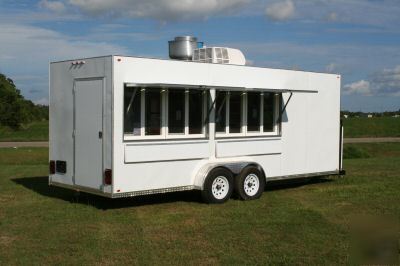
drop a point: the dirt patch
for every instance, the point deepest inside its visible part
(6, 241)
(7, 198)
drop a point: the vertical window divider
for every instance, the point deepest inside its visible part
(205, 112)
(244, 113)
(262, 112)
(186, 104)
(276, 112)
(165, 113)
(142, 112)
(163, 109)
(227, 110)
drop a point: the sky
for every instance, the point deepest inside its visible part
(359, 39)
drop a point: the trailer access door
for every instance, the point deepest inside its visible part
(88, 133)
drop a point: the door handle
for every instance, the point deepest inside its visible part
(100, 134)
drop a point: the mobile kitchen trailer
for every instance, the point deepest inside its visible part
(126, 126)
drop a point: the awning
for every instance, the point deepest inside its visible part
(197, 87)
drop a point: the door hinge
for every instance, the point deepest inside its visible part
(73, 133)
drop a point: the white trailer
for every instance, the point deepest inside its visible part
(126, 126)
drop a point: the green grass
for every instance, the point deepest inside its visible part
(304, 223)
(367, 150)
(36, 131)
(353, 128)
(360, 127)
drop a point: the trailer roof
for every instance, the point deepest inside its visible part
(167, 59)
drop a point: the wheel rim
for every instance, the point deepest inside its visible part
(220, 187)
(251, 184)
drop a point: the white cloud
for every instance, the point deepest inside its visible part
(378, 13)
(281, 10)
(163, 10)
(348, 59)
(361, 87)
(385, 82)
(32, 43)
(56, 6)
(331, 68)
(360, 12)
(27, 50)
(42, 101)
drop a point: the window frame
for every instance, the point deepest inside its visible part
(186, 134)
(164, 134)
(227, 114)
(245, 132)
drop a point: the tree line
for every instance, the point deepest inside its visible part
(374, 114)
(15, 110)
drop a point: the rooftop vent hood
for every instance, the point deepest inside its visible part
(182, 47)
(189, 49)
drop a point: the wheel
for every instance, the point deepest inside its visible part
(250, 183)
(218, 186)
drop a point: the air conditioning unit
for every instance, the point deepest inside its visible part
(219, 55)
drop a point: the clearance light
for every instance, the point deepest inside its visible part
(108, 177)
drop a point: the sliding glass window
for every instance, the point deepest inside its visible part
(235, 112)
(253, 111)
(132, 111)
(220, 111)
(176, 111)
(269, 100)
(245, 113)
(153, 111)
(196, 111)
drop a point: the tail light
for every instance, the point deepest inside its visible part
(52, 167)
(108, 177)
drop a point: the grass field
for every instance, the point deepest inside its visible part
(354, 128)
(36, 131)
(359, 127)
(303, 223)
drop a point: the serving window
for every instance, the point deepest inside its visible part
(246, 113)
(158, 113)
(171, 113)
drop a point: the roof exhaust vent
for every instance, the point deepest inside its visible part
(219, 55)
(181, 48)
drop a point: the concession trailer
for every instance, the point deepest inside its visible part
(124, 126)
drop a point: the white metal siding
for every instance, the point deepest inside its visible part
(166, 151)
(297, 151)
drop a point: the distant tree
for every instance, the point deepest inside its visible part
(14, 109)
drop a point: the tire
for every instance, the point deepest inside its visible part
(218, 186)
(250, 184)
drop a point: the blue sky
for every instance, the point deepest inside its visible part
(359, 39)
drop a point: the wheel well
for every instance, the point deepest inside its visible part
(258, 167)
(234, 167)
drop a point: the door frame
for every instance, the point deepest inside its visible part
(103, 95)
